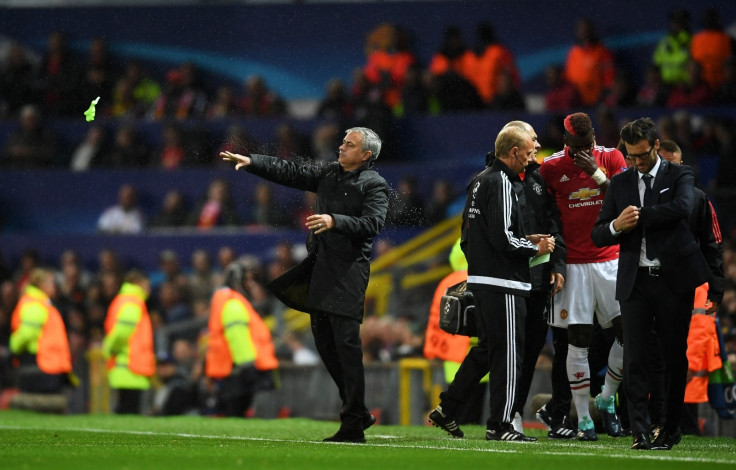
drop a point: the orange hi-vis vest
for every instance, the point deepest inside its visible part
(439, 344)
(703, 350)
(141, 360)
(219, 361)
(52, 355)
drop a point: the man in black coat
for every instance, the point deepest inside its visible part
(330, 284)
(498, 251)
(646, 210)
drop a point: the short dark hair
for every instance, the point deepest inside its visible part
(670, 146)
(638, 130)
(578, 124)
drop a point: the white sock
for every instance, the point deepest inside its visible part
(615, 372)
(578, 374)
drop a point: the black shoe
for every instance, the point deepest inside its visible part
(368, 421)
(438, 418)
(641, 441)
(562, 430)
(665, 440)
(607, 410)
(343, 435)
(506, 432)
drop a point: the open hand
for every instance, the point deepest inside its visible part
(239, 160)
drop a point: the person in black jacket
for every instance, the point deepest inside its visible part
(703, 223)
(498, 250)
(330, 284)
(645, 211)
(547, 279)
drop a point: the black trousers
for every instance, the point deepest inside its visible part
(535, 334)
(337, 339)
(500, 319)
(655, 309)
(559, 406)
(129, 401)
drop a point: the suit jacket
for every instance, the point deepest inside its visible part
(683, 265)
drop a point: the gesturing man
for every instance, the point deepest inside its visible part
(352, 200)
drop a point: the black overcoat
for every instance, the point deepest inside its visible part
(334, 276)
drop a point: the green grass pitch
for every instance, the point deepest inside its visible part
(100, 442)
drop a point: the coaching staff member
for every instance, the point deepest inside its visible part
(498, 253)
(646, 211)
(352, 200)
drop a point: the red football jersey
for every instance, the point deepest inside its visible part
(579, 199)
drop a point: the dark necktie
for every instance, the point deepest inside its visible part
(648, 201)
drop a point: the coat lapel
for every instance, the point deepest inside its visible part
(660, 182)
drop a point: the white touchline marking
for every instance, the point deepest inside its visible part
(629, 454)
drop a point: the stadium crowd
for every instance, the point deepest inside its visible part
(393, 84)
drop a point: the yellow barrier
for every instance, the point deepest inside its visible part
(99, 387)
(405, 367)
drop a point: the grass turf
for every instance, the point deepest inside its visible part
(34, 441)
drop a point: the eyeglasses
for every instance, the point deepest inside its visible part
(634, 156)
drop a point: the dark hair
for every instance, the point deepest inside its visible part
(670, 146)
(578, 124)
(641, 129)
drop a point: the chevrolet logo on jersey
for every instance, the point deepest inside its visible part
(585, 193)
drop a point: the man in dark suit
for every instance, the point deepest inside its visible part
(645, 210)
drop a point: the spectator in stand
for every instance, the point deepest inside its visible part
(695, 92)
(654, 92)
(176, 394)
(265, 210)
(32, 145)
(29, 260)
(290, 144)
(507, 96)
(128, 150)
(454, 56)
(237, 139)
(622, 93)
(283, 259)
(225, 256)
(123, 103)
(369, 108)
(172, 305)
(673, 50)
(336, 105)
(90, 152)
(125, 216)
(386, 67)
(305, 209)
(99, 74)
(145, 90)
(726, 93)
(16, 82)
(589, 64)
(561, 94)
(453, 69)
(59, 79)
(415, 94)
(493, 61)
(711, 47)
(224, 105)
(173, 211)
(216, 208)
(201, 280)
(173, 154)
(405, 207)
(259, 100)
(442, 196)
(324, 141)
(184, 98)
(724, 186)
